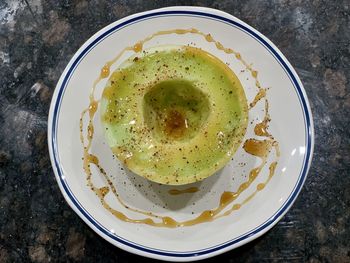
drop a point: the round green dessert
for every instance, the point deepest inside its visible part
(174, 115)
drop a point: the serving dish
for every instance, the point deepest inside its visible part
(291, 127)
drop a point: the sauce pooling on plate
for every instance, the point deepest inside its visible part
(261, 148)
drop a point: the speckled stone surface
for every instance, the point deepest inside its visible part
(38, 38)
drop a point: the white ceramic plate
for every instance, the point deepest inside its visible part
(291, 125)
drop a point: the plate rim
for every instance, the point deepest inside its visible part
(201, 253)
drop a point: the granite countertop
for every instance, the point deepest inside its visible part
(39, 37)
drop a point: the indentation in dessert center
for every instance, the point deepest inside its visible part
(175, 110)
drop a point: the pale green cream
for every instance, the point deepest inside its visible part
(174, 115)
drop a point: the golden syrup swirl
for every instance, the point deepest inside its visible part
(190, 190)
(258, 148)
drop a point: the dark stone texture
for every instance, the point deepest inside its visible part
(38, 38)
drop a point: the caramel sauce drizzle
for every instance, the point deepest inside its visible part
(175, 124)
(259, 148)
(260, 95)
(184, 191)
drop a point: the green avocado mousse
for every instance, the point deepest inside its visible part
(174, 114)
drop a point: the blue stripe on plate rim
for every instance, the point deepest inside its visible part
(255, 232)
